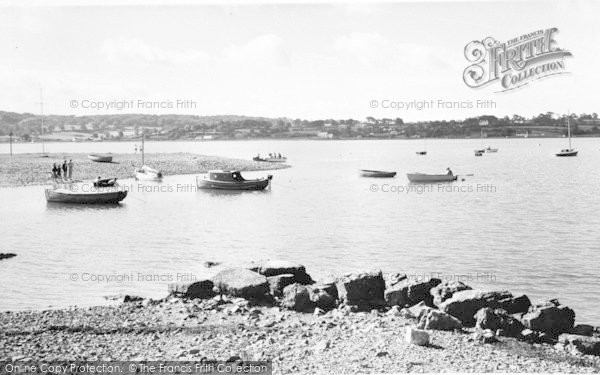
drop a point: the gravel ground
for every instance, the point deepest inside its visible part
(32, 169)
(339, 342)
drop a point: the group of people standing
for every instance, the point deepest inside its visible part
(64, 171)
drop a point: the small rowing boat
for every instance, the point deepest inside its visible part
(79, 196)
(100, 158)
(231, 180)
(421, 152)
(489, 149)
(422, 177)
(372, 173)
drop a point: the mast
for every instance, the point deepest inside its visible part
(143, 147)
(569, 129)
(42, 115)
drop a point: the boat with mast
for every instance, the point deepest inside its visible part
(568, 151)
(147, 173)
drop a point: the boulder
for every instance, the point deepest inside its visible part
(322, 298)
(197, 289)
(407, 293)
(297, 297)
(281, 267)
(365, 290)
(419, 310)
(241, 282)
(277, 283)
(397, 295)
(464, 304)
(583, 330)
(445, 290)
(416, 336)
(420, 291)
(498, 320)
(550, 317)
(581, 344)
(439, 320)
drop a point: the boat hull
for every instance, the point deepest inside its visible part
(378, 174)
(270, 160)
(148, 174)
(421, 152)
(567, 153)
(420, 177)
(109, 197)
(100, 158)
(260, 184)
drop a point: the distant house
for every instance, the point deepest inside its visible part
(324, 135)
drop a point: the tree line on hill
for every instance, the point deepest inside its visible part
(27, 126)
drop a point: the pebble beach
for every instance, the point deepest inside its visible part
(33, 169)
(245, 315)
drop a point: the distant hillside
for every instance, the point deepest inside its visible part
(27, 126)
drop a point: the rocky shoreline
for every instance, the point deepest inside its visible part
(355, 323)
(32, 169)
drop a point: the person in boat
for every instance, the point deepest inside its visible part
(70, 166)
(64, 169)
(449, 172)
(279, 156)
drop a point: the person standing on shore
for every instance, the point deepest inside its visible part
(64, 168)
(136, 149)
(70, 166)
(58, 172)
(54, 171)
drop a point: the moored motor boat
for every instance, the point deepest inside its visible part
(489, 149)
(145, 173)
(372, 173)
(230, 180)
(79, 196)
(479, 152)
(422, 177)
(282, 159)
(100, 158)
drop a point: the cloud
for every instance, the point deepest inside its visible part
(135, 50)
(265, 49)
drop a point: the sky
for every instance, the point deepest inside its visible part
(311, 61)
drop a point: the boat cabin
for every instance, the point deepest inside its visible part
(225, 176)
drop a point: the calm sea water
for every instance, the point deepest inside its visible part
(526, 221)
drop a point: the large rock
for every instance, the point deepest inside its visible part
(498, 319)
(416, 336)
(420, 291)
(407, 293)
(581, 344)
(464, 304)
(196, 289)
(549, 317)
(419, 310)
(439, 320)
(445, 290)
(583, 330)
(241, 282)
(363, 290)
(321, 296)
(277, 283)
(297, 297)
(281, 267)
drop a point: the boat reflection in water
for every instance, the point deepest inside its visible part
(231, 180)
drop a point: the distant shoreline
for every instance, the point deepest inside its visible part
(33, 169)
(132, 140)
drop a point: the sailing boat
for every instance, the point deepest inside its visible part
(568, 151)
(145, 172)
(424, 152)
